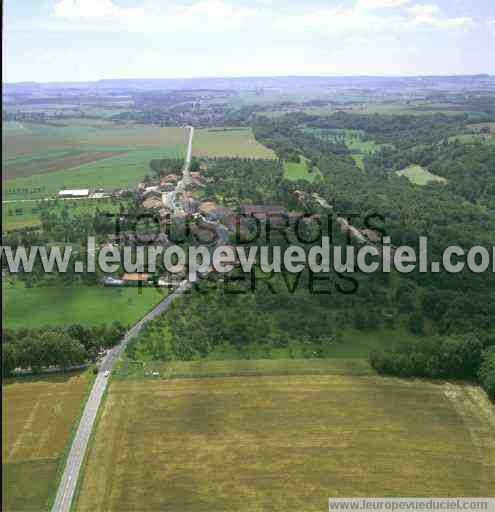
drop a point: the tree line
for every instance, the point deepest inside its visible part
(466, 356)
(35, 349)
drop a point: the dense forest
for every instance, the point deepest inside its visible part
(448, 317)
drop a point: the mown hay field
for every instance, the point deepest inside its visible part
(229, 142)
(285, 443)
(39, 416)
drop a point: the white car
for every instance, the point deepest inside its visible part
(107, 373)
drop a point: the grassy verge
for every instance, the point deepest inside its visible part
(128, 369)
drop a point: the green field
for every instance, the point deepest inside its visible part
(229, 142)
(63, 305)
(474, 138)
(353, 139)
(294, 171)
(285, 443)
(39, 160)
(420, 176)
(20, 214)
(39, 417)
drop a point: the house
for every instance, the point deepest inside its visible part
(152, 202)
(170, 178)
(84, 192)
(112, 281)
(167, 187)
(151, 191)
(135, 279)
(168, 199)
(99, 195)
(197, 183)
(371, 235)
(277, 214)
(262, 210)
(152, 239)
(212, 210)
(151, 188)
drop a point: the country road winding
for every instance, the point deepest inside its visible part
(70, 476)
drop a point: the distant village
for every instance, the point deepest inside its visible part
(174, 198)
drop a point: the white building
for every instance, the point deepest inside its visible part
(83, 192)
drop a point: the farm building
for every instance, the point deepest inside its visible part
(213, 211)
(371, 235)
(112, 281)
(83, 192)
(152, 202)
(170, 178)
(135, 278)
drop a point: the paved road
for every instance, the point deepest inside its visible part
(75, 459)
(67, 486)
(189, 149)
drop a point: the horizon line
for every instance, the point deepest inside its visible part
(248, 77)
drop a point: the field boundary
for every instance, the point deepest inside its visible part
(356, 367)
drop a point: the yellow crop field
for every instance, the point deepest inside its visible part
(38, 418)
(285, 443)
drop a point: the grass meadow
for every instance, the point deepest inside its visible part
(64, 305)
(285, 443)
(20, 214)
(294, 171)
(229, 142)
(353, 139)
(474, 138)
(39, 417)
(420, 176)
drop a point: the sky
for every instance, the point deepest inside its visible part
(86, 40)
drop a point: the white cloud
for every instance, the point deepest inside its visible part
(203, 15)
(362, 20)
(491, 26)
(370, 5)
(424, 9)
(90, 9)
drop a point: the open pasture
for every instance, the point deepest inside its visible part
(294, 171)
(39, 415)
(420, 176)
(285, 443)
(229, 142)
(64, 305)
(124, 170)
(20, 214)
